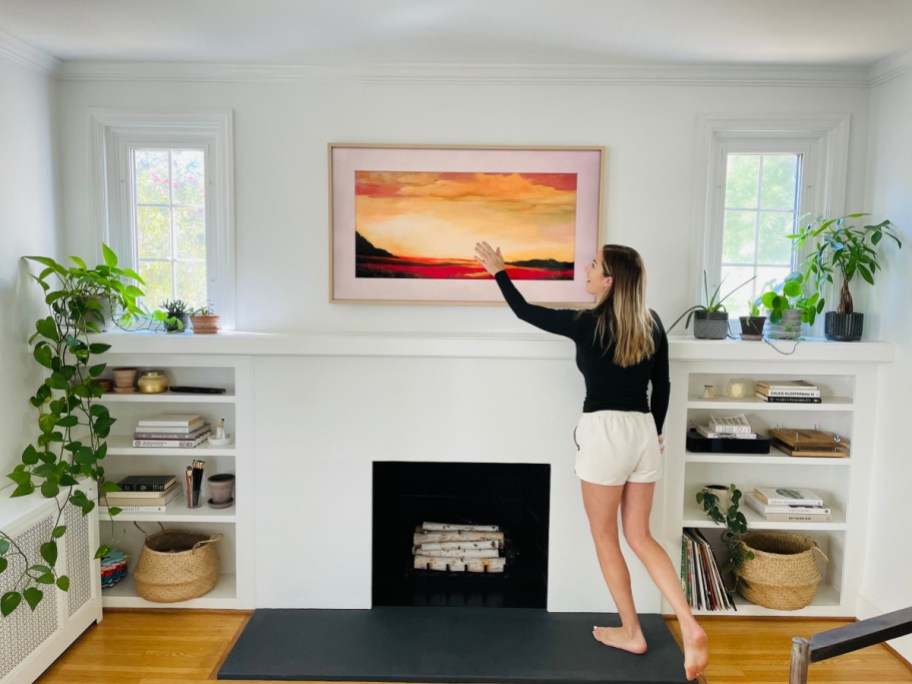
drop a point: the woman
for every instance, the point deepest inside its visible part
(620, 348)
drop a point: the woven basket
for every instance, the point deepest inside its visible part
(176, 565)
(783, 573)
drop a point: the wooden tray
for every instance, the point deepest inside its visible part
(802, 442)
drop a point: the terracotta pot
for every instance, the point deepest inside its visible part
(204, 325)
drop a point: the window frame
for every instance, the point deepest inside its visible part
(823, 142)
(115, 134)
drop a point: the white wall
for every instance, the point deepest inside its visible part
(281, 134)
(887, 584)
(330, 412)
(27, 226)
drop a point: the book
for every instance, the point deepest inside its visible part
(787, 496)
(787, 385)
(737, 423)
(140, 496)
(146, 483)
(183, 434)
(789, 399)
(172, 443)
(129, 506)
(798, 517)
(706, 432)
(767, 392)
(752, 500)
(184, 420)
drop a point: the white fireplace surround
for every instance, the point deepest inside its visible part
(326, 406)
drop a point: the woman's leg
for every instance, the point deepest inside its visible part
(601, 503)
(636, 505)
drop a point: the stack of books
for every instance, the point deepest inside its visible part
(700, 576)
(788, 504)
(142, 494)
(727, 427)
(171, 430)
(787, 391)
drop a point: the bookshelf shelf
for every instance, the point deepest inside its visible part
(123, 595)
(235, 588)
(168, 398)
(755, 404)
(849, 390)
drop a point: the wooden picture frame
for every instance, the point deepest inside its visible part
(404, 220)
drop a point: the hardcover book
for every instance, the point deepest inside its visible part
(146, 483)
(157, 433)
(787, 385)
(789, 399)
(172, 443)
(184, 420)
(752, 500)
(787, 496)
(157, 505)
(735, 423)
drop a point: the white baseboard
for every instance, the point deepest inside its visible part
(870, 605)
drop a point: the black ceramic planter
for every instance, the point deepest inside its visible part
(711, 325)
(843, 327)
(752, 327)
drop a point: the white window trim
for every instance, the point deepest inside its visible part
(114, 132)
(823, 139)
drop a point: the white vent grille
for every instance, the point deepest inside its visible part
(79, 558)
(24, 631)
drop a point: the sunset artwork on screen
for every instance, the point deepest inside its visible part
(416, 224)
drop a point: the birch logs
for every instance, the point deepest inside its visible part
(458, 548)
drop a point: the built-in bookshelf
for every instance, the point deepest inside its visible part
(126, 531)
(848, 391)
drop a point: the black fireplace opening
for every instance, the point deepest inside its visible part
(513, 498)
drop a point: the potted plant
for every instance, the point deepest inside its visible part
(710, 319)
(844, 249)
(789, 307)
(72, 427)
(204, 320)
(728, 515)
(177, 315)
(752, 324)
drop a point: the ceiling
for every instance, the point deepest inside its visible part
(352, 32)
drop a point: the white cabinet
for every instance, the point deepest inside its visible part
(848, 387)
(235, 586)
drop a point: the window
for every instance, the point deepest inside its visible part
(168, 211)
(761, 209)
(164, 202)
(762, 175)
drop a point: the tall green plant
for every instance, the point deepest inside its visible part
(845, 250)
(713, 301)
(72, 427)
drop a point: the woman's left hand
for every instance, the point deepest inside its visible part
(487, 256)
(662, 444)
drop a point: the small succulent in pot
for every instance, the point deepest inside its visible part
(177, 311)
(205, 321)
(752, 324)
(710, 318)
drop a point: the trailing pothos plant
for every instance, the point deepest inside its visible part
(72, 426)
(735, 526)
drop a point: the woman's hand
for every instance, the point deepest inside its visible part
(662, 444)
(487, 256)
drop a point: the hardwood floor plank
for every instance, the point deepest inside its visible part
(166, 647)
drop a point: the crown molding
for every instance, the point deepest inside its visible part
(890, 68)
(445, 74)
(22, 53)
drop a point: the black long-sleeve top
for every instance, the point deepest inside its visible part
(608, 386)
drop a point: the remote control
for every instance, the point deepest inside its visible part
(198, 390)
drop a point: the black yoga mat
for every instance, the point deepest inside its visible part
(497, 645)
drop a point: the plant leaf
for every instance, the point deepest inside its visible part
(10, 602)
(49, 552)
(63, 583)
(33, 597)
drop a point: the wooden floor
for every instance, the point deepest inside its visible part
(156, 647)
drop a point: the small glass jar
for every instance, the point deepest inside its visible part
(152, 382)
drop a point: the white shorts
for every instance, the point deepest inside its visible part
(615, 447)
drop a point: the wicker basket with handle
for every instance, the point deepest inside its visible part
(176, 565)
(783, 573)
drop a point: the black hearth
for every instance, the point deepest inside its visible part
(514, 497)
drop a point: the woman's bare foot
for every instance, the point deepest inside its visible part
(696, 650)
(618, 637)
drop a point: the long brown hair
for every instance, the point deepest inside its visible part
(622, 317)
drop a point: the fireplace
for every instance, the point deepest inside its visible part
(512, 498)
